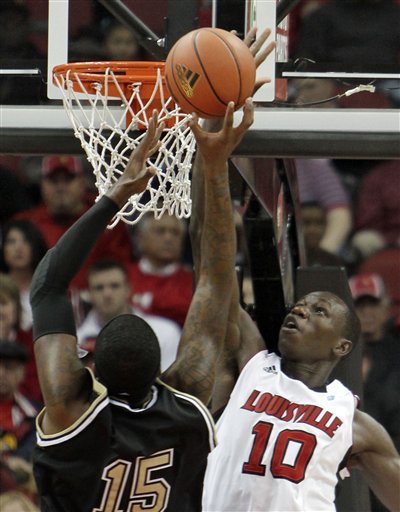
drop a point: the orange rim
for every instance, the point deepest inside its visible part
(125, 70)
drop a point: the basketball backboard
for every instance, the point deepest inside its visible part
(61, 26)
(242, 16)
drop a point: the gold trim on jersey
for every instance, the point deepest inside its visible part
(201, 407)
(80, 424)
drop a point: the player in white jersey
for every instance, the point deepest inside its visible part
(286, 430)
(277, 429)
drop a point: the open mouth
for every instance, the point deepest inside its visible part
(290, 323)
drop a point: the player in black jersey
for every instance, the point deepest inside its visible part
(124, 440)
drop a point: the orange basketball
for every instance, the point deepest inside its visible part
(206, 69)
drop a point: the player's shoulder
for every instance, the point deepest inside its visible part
(95, 414)
(180, 397)
(339, 389)
(189, 410)
(184, 401)
(368, 434)
(261, 357)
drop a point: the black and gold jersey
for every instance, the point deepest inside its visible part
(117, 458)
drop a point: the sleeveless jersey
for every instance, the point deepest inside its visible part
(280, 444)
(116, 458)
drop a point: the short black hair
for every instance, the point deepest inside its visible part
(352, 327)
(127, 357)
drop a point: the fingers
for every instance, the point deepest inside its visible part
(141, 182)
(250, 37)
(248, 116)
(153, 132)
(228, 119)
(258, 43)
(255, 44)
(260, 82)
(260, 57)
(195, 126)
(154, 149)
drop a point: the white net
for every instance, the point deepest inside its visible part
(108, 131)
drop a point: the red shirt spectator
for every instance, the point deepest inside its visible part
(378, 205)
(161, 284)
(17, 413)
(167, 293)
(65, 198)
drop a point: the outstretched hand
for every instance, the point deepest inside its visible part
(137, 174)
(259, 53)
(216, 147)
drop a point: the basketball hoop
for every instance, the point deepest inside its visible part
(109, 105)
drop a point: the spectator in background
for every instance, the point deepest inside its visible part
(377, 213)
(110, 40)
(64, 198)
(381, 357)
(10, 329)
(22, 248)
(110, 293)
(319, 182)
(17, 419)
(313, 223)
(10, 308)
(314, 90)
(162, 285)
(121, 43)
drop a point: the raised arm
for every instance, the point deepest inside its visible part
(226, 370)
(242, 338)
(376, 456)
(64, 382)
(206, 321)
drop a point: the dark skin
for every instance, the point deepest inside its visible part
(311, 342)
(234, 353)
(64, 381)
(202, 339)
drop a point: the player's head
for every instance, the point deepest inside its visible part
(319, 327)
(127, 357)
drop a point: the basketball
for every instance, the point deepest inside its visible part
(206, 69)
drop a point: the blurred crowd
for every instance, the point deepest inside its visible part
(350, 216)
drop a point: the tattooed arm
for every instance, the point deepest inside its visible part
(64, 382)
(205, 326)
(242, 338)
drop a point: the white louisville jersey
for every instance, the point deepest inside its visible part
(280, 444)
